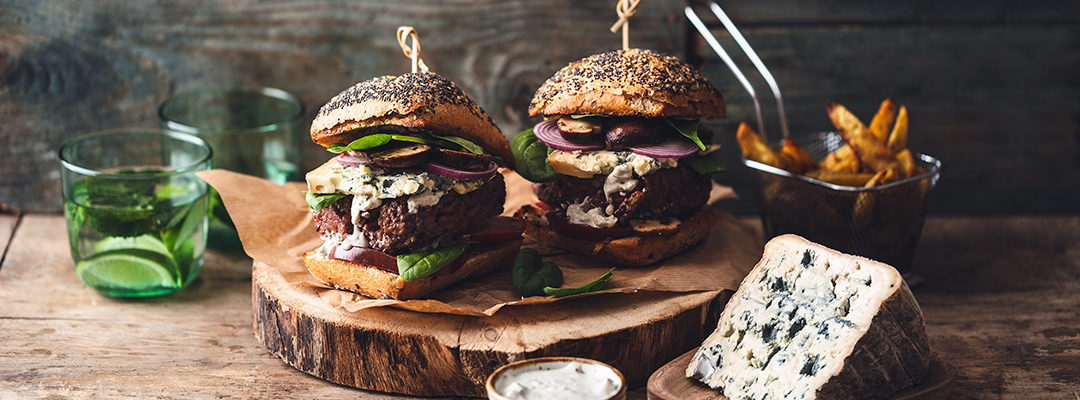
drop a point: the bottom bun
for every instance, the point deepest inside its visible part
(380, 284)
(632, 251)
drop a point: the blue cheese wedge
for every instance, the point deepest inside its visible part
(809, 322)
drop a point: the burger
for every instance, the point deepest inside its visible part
(620, 162)
(410, 203)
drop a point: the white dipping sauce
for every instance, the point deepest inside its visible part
(558, 380)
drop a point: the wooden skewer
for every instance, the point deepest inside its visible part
(412, 51)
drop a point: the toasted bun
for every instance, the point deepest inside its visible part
(631, 251)
(379, 284)
(631, 82)
(419, 100)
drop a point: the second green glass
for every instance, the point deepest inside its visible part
(254, 131)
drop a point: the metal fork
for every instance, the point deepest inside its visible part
(750, 53)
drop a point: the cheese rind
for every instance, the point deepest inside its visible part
(809, 322)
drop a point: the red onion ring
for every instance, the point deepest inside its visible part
(548, 134)
(352, 160)
(460, 173)
(667, 149)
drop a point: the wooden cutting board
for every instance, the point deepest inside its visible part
(398, 351)
(670, 382)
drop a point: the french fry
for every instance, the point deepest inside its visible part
(842, 118)
(754, 148)
(898, 137)
(876, 180)
(795, 159)
(841, 178)
(884, 118)
(841, 160)
(907, 162)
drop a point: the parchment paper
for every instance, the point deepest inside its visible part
(276, 228)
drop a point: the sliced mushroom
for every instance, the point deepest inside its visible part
(579, 129)
(657, 227)
(632, 132)
(462, 160)
(401, 157)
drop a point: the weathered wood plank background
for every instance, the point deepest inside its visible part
(992, 86)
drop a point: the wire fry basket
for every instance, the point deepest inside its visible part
(881, 223)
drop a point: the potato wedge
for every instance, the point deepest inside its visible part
(795, 159)
(884, 119)
(754, 148)
(841, 160)
(842, 118)
(907, 163)
(898, 138)
(841, 178)
(872, 152)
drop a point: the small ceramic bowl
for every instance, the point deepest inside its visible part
(556, 378)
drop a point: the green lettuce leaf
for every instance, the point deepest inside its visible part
(419, 265)
(531, 158)
(586, 288)
(319, 201)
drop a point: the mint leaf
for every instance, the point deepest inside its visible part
(688, 128)
(419, 265)
(707, 163)
(530, 275)
(531, 158)
(586, 288)
(319, 201)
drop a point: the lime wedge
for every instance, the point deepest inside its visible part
(130, 269)
(144, 242)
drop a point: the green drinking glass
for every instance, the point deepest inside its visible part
(136, 213)
(254, 131)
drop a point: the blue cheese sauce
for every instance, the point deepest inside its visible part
(558, 381)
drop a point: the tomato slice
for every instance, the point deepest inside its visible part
(496, 230)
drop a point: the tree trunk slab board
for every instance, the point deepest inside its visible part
(670, 382)
(404, 352)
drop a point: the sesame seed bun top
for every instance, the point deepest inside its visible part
(631, 82)
(422, 101)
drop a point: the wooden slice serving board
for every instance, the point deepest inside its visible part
(398, 351)
(670, 382)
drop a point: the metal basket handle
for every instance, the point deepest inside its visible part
(750, 53)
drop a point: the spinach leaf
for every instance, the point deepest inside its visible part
(531, 158)
(688, 128)
(580, 116)
(375, 140)
(586, 288)
(530, 276)
(419, 265)
(460, 142)
(319, 201)
(707, 163)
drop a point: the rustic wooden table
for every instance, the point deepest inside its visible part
(1001, 297)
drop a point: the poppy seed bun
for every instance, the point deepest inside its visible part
(631, 82)
(419, 100)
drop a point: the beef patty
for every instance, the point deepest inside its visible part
(669, 192)
(392, 229)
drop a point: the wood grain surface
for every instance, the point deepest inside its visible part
(991, 85)
(1001, 298)
(399, 351)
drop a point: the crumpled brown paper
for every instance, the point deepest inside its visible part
(276, 228)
